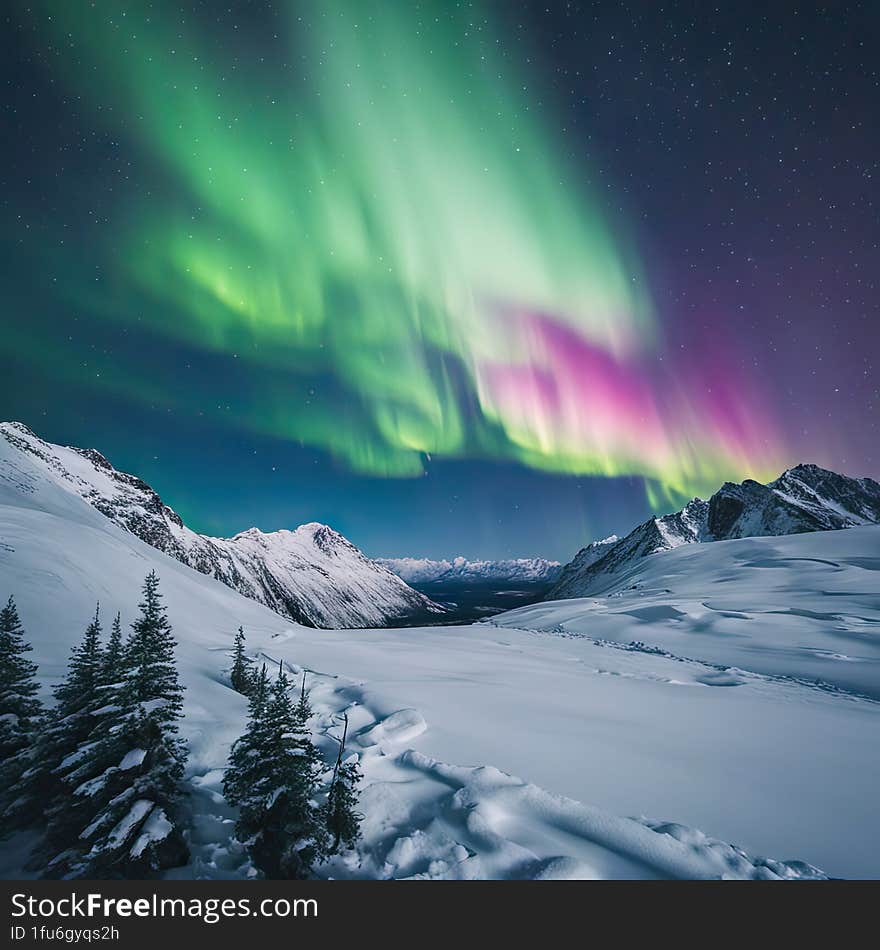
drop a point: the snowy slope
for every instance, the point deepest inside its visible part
(312, 575)
(805, 606)
(445, 717)
(510, 571)
(805, 498)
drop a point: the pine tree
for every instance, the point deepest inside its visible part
(258, 693)
(20, 717)
(151, 674)
(303, 710)
(246, 762)
(240, 674)
(122, 785)
(19, 707)
(61, 732)
(78, 691)
(272, 777)
(340, 811)
(111, 669)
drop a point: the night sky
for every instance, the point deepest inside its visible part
(491, 279)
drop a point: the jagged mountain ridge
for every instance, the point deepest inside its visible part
(511, 570)
(804, 498)
(313, 575)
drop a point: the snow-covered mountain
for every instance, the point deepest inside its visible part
(586, 557)
(312, 575)
(514, 570)
(804, 498)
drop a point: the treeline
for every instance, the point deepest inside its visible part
(100, 774)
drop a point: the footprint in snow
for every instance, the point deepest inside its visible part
(401, 726)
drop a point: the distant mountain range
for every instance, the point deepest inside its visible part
(524, 570)
(315, 576)
(312, 575)
(804, 498)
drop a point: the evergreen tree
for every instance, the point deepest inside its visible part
(78, 691)
(258, 693)
(19, 707)
(116, 817)
(303, 710)
(61, 732)
(241, 674)
(150, 673)
(20, 717)
(340, 811)
(246, 758)
(272, 777)
(111, 669)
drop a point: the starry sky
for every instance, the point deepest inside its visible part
(489, 278)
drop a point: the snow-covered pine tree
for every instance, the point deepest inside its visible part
(20, 710)
(123, 783)
(340, 812)
(241, 673)
(151, 673)
(77, 692)
(61, 732)
(247, 764)
(272, 777)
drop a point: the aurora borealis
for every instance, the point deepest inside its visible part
(363, 230)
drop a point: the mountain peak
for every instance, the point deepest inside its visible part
(809, 468)
(316, 529)
(19, 427)
(804, 498)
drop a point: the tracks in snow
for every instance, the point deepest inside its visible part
(428, 819)
(717, 674)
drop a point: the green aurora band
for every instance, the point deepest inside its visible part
(387, 234)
